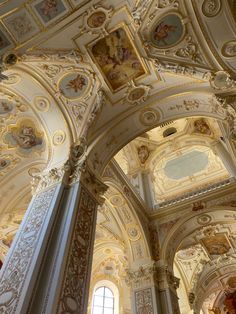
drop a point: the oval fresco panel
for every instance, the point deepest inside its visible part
(167, 31)
(73, 85)
(96, 19)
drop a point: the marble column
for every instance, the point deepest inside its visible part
(144, 290)
(167, 285)
(48, 267)
(225, 157)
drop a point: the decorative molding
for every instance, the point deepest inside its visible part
(76, 276)
(189, 51)
(15, 271)
(143, 301)
(229, 49)
(210, 8)
(48, 178)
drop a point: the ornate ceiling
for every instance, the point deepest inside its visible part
(113, 71)
(178, 156)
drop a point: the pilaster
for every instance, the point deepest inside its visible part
(48, 266)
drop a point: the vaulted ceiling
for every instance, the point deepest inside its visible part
(158, 63)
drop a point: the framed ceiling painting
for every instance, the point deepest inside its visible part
(117, 59)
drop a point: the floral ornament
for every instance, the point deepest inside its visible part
(73, 85)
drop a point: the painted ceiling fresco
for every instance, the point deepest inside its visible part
(117, 59)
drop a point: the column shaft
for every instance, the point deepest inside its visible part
(48, 267)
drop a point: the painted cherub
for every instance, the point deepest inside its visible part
(77, 83)
(162, 31)
(49, 7)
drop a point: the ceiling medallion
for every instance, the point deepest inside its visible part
(133, 232)
(42, 103)
(204, 219)
(116, 200)
(167, 31)
(149, 117)
(229, 49)
(231, 282)
(188, 253)
(211, 8)
(73, 85)
(136, 94)
(59, 137)
(96, 19)
(221, 80)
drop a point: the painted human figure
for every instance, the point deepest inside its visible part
(49, 7)
(26, 137)
(162, 31)
(77, 83)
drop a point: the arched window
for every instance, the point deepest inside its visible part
(103, 301)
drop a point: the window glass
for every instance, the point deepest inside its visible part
(103, 301)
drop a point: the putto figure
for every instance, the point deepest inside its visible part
(162, 31)
(77, 84)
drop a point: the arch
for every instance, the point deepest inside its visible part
(129, 219)
(119, 132)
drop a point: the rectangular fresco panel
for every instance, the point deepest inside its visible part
(5, 43)
(217, 244)
(22, 25)
(117, 59)
(49, 10)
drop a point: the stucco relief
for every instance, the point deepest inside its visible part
(77, 268)
(143, 301)
(210, 8)
(15, 272)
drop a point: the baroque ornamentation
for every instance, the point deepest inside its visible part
(73, 85)
(48, 178)
(211, 8)
(140, 10)
(77, 266)
(133, 232)
(221, 80)
(136, 94)
(189, 51)
(201, 126)
(15, 272)
(149, 117)
(167, 31)
(141, 277)
(143, 153)
(96, 108)
(229, 49)
(117, 59)
(58, 137)
(96, 20)
(25, 138)
(143, 301)
(42, 103)
(10, 107)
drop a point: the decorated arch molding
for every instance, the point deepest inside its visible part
(118, 132)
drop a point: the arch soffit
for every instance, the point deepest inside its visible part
(47, 109)
(187, 226)
(129, 221)
(140, 120)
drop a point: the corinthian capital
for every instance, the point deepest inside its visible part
(141, 277)
(48, 178)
